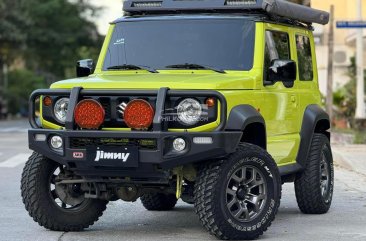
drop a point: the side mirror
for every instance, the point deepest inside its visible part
(84, 67)
(284, 71)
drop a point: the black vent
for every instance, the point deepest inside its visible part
(81, 143)
(106, 103)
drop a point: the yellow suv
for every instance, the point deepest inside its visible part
(214, 102)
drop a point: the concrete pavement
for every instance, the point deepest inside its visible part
(130, 221)
(14, 126)
(351, 157)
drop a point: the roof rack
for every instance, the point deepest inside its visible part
(274, 8)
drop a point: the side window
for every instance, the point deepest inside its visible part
(304, 57)
(277, 47)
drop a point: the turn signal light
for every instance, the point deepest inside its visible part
(210, 102)
(89, 114)
(47, 101)
(138, 114)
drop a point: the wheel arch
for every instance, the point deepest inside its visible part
(248, 120)
(315, 120)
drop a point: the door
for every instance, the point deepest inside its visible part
(280, 110)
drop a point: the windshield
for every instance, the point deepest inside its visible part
(222, 43)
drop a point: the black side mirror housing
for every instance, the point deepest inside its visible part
(284, 71)
(84, 67)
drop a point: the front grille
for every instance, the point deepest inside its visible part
(80, 143)
(106, 103)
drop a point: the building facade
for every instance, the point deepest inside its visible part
(344, 41)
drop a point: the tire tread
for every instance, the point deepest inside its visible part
(307, 192)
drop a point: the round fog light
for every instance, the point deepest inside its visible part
(56, 142)
(179, 144)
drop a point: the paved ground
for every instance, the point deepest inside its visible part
(124, 221)
(15, 126)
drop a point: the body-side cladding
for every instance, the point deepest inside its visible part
(248, 120)
(315, 120)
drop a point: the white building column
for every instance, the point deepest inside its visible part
(360, 108)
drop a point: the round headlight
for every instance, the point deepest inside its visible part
(60, 109)
(189, 111)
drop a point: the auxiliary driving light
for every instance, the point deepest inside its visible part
(89, 114)
(202, 140)
(40, 137)
(179, 144)
(138, 114)
(56, 142)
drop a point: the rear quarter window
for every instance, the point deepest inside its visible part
(304, 57)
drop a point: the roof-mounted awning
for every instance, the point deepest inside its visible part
(278, 8)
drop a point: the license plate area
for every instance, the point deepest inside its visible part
(116, 156)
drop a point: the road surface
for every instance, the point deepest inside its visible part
(129, 221)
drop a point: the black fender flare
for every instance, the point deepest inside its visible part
(241, 116)
(315, 120)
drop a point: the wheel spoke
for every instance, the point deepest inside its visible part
(324, 177)
(252, 176)
(242, 210)
(231, 203)
(255, 183)
(326, 185)
(236, 178)
(230, 192)
(63, 205)
(244, 173)
(324, 172)
(256, 201)
(239, 213)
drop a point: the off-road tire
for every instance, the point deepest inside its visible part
(41, 207)
(307, 183)
(158, 201)
(210, 197)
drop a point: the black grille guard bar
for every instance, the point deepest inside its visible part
(76, 92)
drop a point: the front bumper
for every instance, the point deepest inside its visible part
(161, 157)
(151, 163)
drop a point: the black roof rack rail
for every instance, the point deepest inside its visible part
(273, 8)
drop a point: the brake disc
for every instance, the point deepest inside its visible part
(70, 194)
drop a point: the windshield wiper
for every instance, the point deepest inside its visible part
(195, 66)
(132, 67)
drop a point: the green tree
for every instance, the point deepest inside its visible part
(21, 85)
(49, 36)
(345, 97)
(12, 35)
(59, 32)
